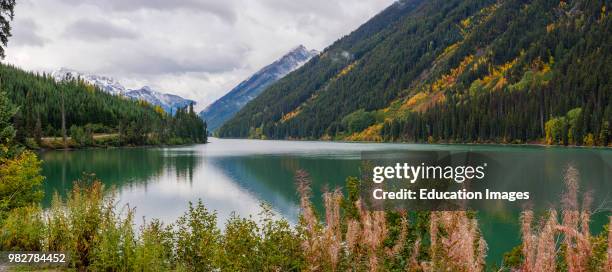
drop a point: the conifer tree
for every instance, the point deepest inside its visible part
(6, 15)
(38, 131)
(7, 110)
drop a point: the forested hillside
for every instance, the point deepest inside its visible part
(452, 71)
(89, 111)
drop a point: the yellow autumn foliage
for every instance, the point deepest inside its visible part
(20, 181)
(346, 70)
(159, 110)
(291, 115)
(448, 80)
(496, 79)
(288, 116)
(414, 100)
(370, 134)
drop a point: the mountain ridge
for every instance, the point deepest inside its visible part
(452, 72)
(168, 102)
(225, 107)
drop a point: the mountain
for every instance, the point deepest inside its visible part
(224, 108)
(169, 102)
(451, 71)
(107, 84)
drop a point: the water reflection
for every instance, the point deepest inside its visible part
(237, 175)
(115, 167)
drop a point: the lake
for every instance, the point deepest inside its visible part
(233, 175)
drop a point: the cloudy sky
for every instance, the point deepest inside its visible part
(198, 49)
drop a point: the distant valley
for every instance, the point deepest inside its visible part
(227, 106)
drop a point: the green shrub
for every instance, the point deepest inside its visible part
(358, 121)
(57, 235)
(197, 239)
(83, 137)
(556, 131)
(514, 258)
(240, 246)
(22, 230)
(575, 126)
(154, 251)
(21, 182)
(31, 143)
(280, 246)
(115, 243)
(84, 217)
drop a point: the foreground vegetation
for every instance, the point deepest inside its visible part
(100, 236)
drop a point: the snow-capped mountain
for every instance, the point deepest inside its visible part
(227, 106)
(169, 102)
(107, 84)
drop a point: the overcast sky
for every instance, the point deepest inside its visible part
(198, 49)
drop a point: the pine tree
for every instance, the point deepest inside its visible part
(604, 133)
(6, 15)
(63, 112)
(7, 111)
(38, 131)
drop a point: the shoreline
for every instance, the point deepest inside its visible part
(529, 145)
(538, 145)
(109, 147)
(99, 141)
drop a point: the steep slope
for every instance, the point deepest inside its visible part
(169, 102)
(451, 71)
(227, 106)
(403, 32)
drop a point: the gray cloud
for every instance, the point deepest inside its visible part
(223, 9)
(198, 49)
(97, 30)
(193, 60)
(319, 7)
(25, 33)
